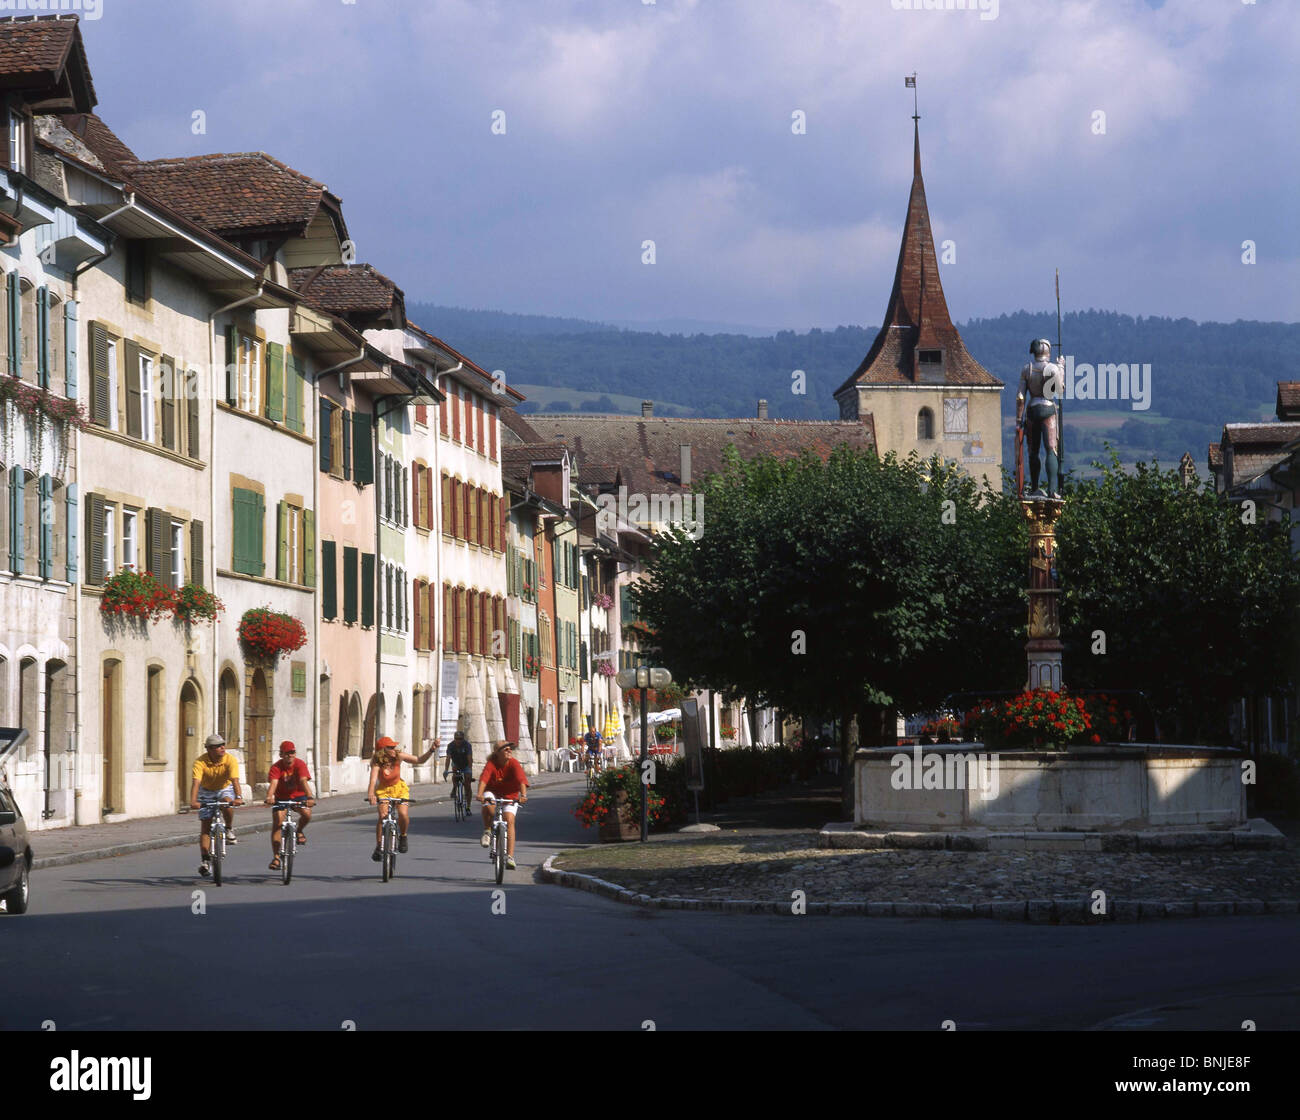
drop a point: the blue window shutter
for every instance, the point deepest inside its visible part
(15, 322)
(70, 348)
(43, 337)
(73, 523)
(45, 546)
(17, 484)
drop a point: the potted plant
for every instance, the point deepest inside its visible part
(728, 733)
(131, 594)
(267, 633)
(1041, 719)
(613, 804)
(665, 732)
(603, 601)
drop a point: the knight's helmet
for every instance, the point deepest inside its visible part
(1040, 349)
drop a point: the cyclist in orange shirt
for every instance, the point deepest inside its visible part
(502, 776)
(386, 781)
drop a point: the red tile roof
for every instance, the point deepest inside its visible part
(241, 194)
(646, 451)
(1272, 434)
(36, 53)
(1216, 457)
(100, 139)
(917, 316)
(345, 289)
(1288, 400)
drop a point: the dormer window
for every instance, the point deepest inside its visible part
(19, 139)
(931, 357)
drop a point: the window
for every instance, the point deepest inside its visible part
(329, 580)
(108, 540)
(110, 355)
(137, 272)
(29, 341)
(154, 714)
(250, 374)
(19, 131)
(248, 543)
(930, 357)
(130, 538)
(145, 376)
(925, 424)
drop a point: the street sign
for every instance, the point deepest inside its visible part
(695, 732)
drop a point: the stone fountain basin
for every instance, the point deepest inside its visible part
(1088, 789)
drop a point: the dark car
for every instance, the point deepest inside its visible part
(15, 855)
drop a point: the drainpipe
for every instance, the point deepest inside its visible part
(214, 687)
(437, 617)
(315, 622)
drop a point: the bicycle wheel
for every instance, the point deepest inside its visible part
(458, 800)
(386, 854)
(218, 847)
(288, 843)
(500, 852)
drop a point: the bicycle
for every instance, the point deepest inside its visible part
(288, 837)
(595, 764)
(460, 797)
(388, 848)
(217, 837)
(500, 834)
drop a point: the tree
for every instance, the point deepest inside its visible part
(852, 586)
(1195, 605)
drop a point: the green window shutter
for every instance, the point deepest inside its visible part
(15, 323)
(362, 448)
(293, 392)
(309, 547)
(43, 337)
(192, 418)
(72, 521)
(16, 505)
(158, 526)
(168, 390)
(248, 532)
(274, 381)
(347, 444)
(196, 552)
(349, 584)
(367, 589)
(99, 375)
(323, 435)
(94, 539)
(232, 364)
(133, 398)
(70, 348)
(259, 538)
(329, 581)
(45, 546)
(282, 541)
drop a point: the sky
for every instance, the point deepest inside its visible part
(518, 154)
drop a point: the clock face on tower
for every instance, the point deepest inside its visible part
(954, 415)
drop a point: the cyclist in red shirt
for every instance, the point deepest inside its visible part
(502, 776)
(290, 781)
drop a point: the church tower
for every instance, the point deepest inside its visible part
(919, 382)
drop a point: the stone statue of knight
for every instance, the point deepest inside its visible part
(1036, 410)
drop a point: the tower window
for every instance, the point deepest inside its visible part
(931, 357)
(925, 424)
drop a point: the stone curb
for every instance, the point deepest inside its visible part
(1256, 835)
(191, 837)
(1044, 911)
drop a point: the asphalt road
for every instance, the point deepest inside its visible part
(118, 945)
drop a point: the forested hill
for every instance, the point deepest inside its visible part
(1202, 374)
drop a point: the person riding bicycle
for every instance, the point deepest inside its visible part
(386, 781)
(216, 783)
(502, 776)
(595, 749)
(460, 757)
(290, 781)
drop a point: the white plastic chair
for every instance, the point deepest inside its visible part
(567, 756)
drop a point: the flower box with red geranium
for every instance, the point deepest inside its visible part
(1040, 719)
(195, 603)
(603, 601)
(131, 594)
(267, 633)
(728, 733)
(614, 804)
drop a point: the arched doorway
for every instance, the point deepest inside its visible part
(399, 726)
(345, 731)
(354, 726)
(112, 798)
(188, 738)
(56, 726)
(228, 709)
(258, 752)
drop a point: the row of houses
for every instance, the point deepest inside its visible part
(206, 400)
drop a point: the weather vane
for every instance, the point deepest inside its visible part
(909, 82)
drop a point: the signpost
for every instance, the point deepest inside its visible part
(693, 735)
(449, 701)
(644, 678)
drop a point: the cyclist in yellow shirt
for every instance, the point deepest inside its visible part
(386, 781)
(216, 784)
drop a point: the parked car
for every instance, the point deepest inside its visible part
(15, 855)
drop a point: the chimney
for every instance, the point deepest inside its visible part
(762, 409)
(647, 408)
(684, 472)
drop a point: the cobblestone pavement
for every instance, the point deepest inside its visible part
(768, 865)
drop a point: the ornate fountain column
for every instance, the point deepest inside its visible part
(1043, 650)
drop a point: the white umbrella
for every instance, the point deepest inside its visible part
(653, 719)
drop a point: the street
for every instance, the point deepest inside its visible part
(117, 944)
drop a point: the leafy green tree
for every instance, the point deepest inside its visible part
(1195, 605)
(852, 586)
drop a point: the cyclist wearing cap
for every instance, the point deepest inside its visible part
(290, 781)
(460, 756)
(216, 783)
(502, 776)
(595, 748)
(386, 781)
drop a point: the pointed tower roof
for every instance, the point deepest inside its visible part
(917, 323)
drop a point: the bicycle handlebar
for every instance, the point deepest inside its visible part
(299, 805)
